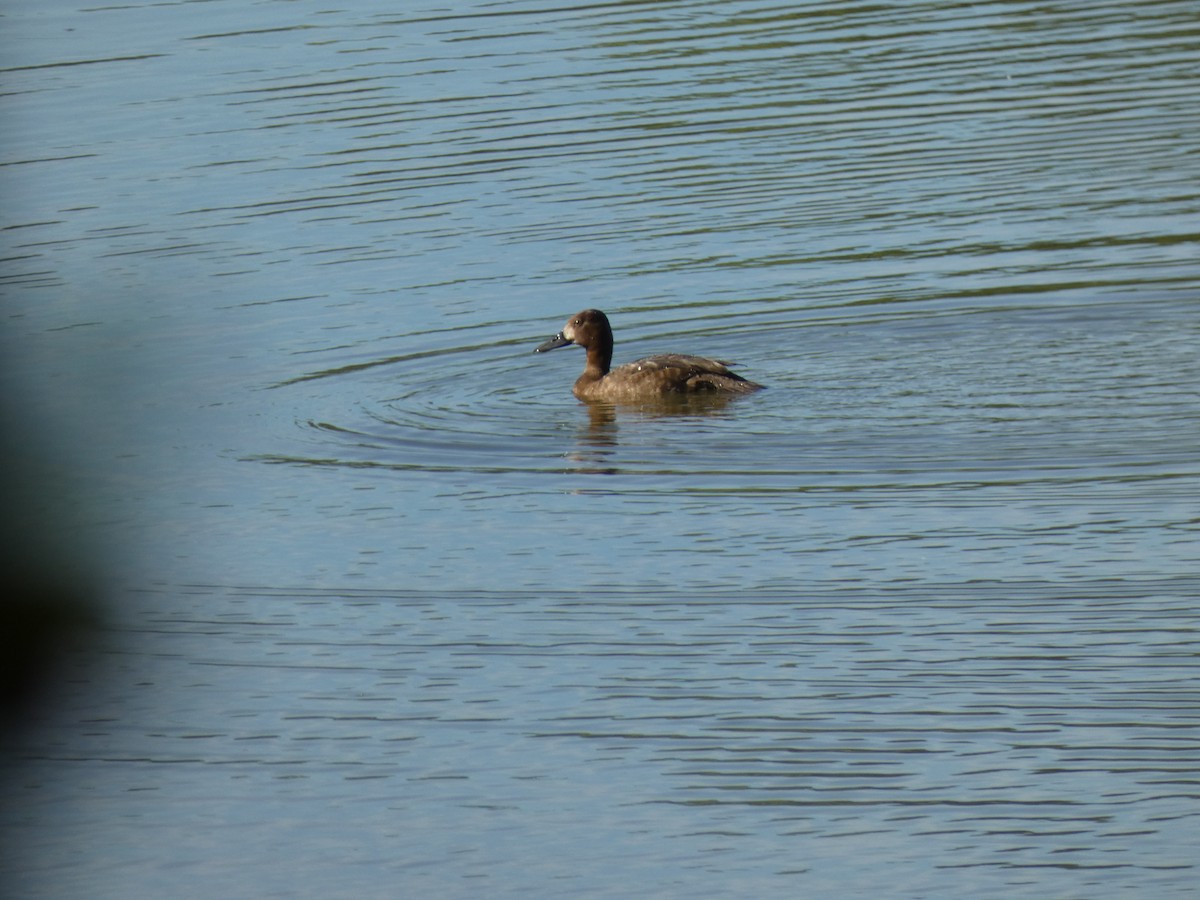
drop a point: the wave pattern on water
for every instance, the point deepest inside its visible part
(1035, 731)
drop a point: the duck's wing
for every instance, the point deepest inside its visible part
(682, 362)
(680, 372)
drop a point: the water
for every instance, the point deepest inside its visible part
(390, 612)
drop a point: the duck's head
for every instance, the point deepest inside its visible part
(585, 328)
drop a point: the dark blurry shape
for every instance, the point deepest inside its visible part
(49, 607)
(40, 622)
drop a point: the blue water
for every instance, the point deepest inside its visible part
(388, 612)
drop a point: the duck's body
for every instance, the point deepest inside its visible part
(646, 379)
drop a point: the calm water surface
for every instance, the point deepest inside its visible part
(391, 614)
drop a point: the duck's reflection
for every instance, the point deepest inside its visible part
(598, 435)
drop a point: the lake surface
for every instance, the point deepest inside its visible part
(389, 613)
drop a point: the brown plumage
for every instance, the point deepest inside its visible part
(646, 379)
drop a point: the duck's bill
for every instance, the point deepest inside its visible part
(554, 343)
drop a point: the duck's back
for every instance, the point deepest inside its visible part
(667, 373)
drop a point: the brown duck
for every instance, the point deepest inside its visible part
(646, 379)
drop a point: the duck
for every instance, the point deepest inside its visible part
(655, 377)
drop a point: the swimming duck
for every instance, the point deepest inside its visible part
(646, 379)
